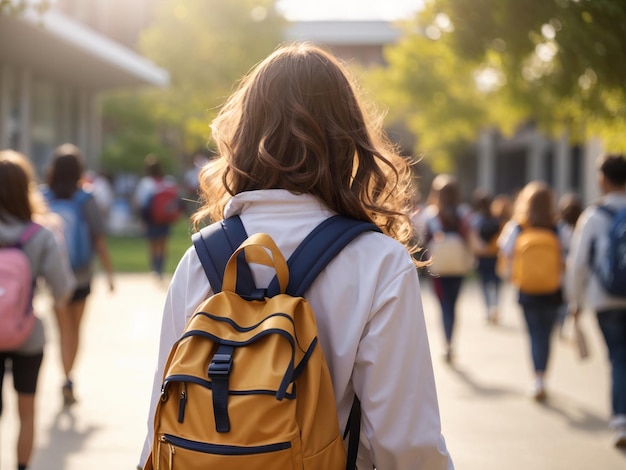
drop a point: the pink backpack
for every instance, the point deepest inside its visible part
(16, 293)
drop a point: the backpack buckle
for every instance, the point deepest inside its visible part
(220, 365)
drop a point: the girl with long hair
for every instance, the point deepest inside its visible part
(446, 219)
(64, 181)
(535, 209)
(19, 204)
(294, 147)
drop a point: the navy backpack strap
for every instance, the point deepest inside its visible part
(318, 249)
(608, 210)
(223, 238)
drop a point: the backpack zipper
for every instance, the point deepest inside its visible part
(220, 449)
(182, 402)
(171, 453)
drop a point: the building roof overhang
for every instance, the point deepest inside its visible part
(59, 48)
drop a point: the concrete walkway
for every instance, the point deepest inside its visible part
(489, 421)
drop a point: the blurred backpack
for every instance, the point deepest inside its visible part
(247, 385)
(610, 268)
(537, 265)
(16, 292)
(448, 250)
(164, 206)
(75, 229)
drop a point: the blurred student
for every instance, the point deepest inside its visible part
(593, 253)
(18, 204)
(569, 209)
(447, 239)
(533, 249)
(157, 199)
(485, 229)
(85, 240)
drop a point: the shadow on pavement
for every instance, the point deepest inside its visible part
(65, 439)
(479, 388)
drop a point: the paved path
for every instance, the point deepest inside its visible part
(489, 421)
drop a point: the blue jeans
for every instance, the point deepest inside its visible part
(447, 290)
(489, 280)
(613, 326)
(540, 320)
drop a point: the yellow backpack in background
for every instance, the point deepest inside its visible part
(537, 265)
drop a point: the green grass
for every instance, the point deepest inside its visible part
(129, 254)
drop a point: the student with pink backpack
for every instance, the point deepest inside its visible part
(28, 252)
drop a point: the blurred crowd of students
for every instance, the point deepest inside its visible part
(550, 251)
(61, 252)
(494, 238)
(60, 226)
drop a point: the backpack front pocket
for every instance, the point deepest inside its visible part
(176, 453)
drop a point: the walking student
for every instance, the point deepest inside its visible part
(485, 229)
(85, 238)
(294, 147)
(595, 251)
(533, 248)
(448, 240)
(45, 261)
(160, 206)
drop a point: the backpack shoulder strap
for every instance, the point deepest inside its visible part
(607, 210)
(318, 249)
(223, 238)
(27, 234)
(80, 196)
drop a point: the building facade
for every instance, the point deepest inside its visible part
(53, 70)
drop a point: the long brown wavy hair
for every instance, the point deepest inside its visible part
(19, 197)
(296, 122)
(535, 206)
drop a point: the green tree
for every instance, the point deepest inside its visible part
(467, 64)
(425, 87)
(17, 7)
(562, 60)
(206, 45)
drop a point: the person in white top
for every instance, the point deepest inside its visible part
(294, 148)
(582, 287)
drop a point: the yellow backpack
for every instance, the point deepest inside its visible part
(247, 385)
(537, 265)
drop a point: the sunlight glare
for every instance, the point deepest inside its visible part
(306, 10)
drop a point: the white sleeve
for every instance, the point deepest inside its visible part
(577, 265)
(144, 190)
(395, 380)
(506, 240)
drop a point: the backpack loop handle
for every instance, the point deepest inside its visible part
(259, 249)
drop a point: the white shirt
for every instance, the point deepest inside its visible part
(371, 325)
(581, 287)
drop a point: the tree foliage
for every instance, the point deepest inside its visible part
(563, 57)
(17, 7)
(467, 64)
(206, 45)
